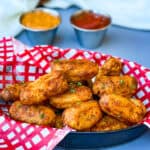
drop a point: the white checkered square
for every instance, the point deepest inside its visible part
(43, 63)
(147, 89)
(2, 119)
(15, 142)
(18, 129)
(137, 71)
(125, 69)
(20, 148)
(31, 78)
(11, 135)
(36, 139)
(37, 57)
(8, 78)
(5, 127)
(43, 148)
(32, 69)
(30, 130)
(28, 145)
(142, 80)
(71, 53)
(140, 94)
(55, 54)
(146, 101)
(24, 125)
(148, 75)
(23, 136)
(45, 132)
(20, 68)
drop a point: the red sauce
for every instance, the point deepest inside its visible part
(90, 20)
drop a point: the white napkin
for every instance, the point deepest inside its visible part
(10, 10)
(128, 13)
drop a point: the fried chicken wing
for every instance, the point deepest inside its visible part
(71, 97)
(121, 85)
(45, 86)
(76, 70)
(128, 110)
(82, 116)
(111, 67)
(12, 92)
(109, 123)
(38, 114)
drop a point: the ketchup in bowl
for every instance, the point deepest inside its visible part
(90, 20)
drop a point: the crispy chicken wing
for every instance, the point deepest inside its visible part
(73, 96)
(128, 110)
(82, 116)
(109, 123)
(121, 85)
(12, 92)
(76, 70)
(37, 114)
(111, 67)
(45, 86)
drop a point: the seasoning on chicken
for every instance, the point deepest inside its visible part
(121, 85)
(34, 114)
(128, 110)
(82, 116)
(76, 70)
(45, 86)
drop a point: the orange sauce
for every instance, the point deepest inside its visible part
(90, 20)
(39, 19)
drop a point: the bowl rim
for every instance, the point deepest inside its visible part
(48, 10)
(90, 30)
(110, 132)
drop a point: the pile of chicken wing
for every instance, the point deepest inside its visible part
(79, 94)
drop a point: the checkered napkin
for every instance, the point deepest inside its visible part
(21, 63)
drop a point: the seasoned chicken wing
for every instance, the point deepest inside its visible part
(45, 86)
(76, 70)
(12, 92)
(111, 67)
(82, 116)
(108, 123)
(37, 114)
(73, 96)
(121, 85)
(128, 110)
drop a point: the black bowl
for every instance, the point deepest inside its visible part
(93, 140)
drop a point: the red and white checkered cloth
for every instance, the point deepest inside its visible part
(20, 63)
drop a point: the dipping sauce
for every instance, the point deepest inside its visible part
(90, 20)
(39, 19)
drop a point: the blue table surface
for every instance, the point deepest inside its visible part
(127, 43)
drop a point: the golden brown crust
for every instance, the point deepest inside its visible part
(12, 92)
(73, 96)
(45, 86)
(111, 67)
(82, 116)
(109, 123)
(34, 114)
(76, 70)
(130, 111)
(122, 85)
